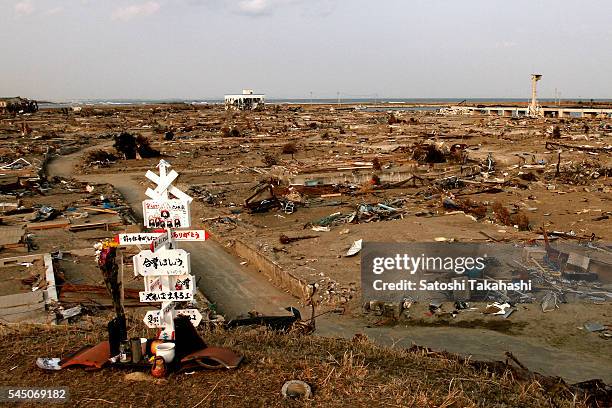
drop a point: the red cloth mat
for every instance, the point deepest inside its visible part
(93, 357)
(212, 358)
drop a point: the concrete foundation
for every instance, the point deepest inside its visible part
(271, 270)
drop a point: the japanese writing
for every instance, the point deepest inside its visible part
(135, 239)
(193, 234)
(157, 262)
(182, 284)
(160, 296)
(167, 262)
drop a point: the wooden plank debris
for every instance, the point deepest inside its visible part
(94, 225)
(100, 210)
(14, 260)
(11, 237)
(50, 290)
(34, 226)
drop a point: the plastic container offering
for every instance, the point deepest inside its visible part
(166, 351)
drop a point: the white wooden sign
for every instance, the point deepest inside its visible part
(167, 307)
(166, 295)
(171, 213)
(165, 268)
(164, 184)
(140, 238)
(145, 238)
(153, 317)
(162, 262)
(177, 282)
(162, 241)
(190, 235)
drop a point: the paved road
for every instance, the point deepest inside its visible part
(237, 289)
(234, 288)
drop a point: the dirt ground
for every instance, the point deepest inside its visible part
(343, 159)
(340, 372)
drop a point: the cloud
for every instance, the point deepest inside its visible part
(319, 8)
(259, 8)
(256, 7)
(136, 10)
(506, 44)
(54, 11)
(24, 8)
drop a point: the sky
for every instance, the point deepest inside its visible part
(196, 49)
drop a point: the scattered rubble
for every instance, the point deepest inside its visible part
(18, 105)
(265, 176)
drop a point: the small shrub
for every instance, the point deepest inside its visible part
(230, 132)
(125, 144)
(528, 177)
(522, 221)
(428, 153)
(144, 149)
(270, 160)
(289, 148)
(130, 146)
(376, 164)
(471, 207)
(502, 215)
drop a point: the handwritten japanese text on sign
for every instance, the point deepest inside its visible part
(153, 317)
(145, 238)
(167, 262)
(165, 295)
(190, 235)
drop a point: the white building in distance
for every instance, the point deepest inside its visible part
(245, 101)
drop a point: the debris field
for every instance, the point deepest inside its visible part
(303, 185)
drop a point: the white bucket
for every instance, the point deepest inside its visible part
(166, 351)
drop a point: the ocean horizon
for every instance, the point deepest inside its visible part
(204, 101)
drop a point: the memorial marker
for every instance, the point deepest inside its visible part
(166, 269)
